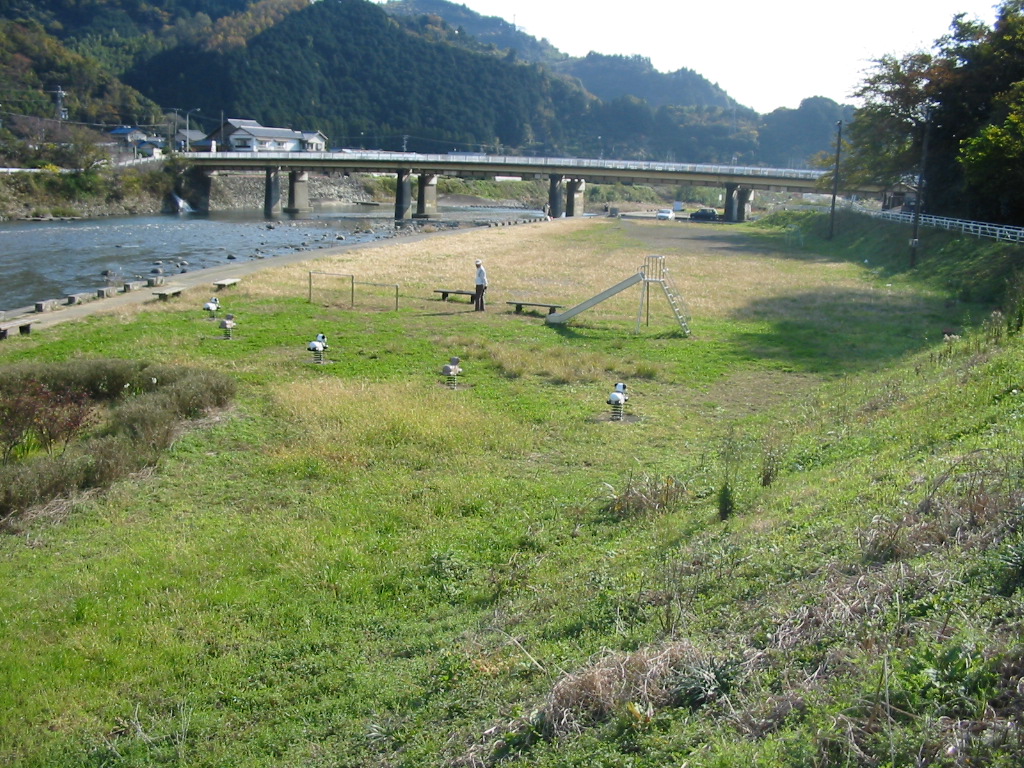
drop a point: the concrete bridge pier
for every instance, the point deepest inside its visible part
(575, 197)
(201, 184)
(556, 196)
(298, 192)
(426, 196)
(272, 192)
(729, 201)
(743, 203)
(403, 195)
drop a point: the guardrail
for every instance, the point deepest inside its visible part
(977, 228)
(416, 159)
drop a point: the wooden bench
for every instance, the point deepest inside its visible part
(520, 304)
(226, 282)
(169, 290)
(446, 292)
(23, 325)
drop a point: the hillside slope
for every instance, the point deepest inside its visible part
(803, 546)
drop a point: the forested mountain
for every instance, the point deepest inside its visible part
(38, 75)
(348, 69)
(423, 75)
(610, 77)
(486, 33)
(785, 134)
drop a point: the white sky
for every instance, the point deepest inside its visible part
(764, 53)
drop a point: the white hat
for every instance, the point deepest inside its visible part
(478, 262)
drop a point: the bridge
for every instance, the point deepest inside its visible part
(567, 177)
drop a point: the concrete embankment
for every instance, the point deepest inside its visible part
(55, 312)
(238, 190)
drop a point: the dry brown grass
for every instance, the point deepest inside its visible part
(350, 422)
(515, 258)
(568, 260)
(644, 678)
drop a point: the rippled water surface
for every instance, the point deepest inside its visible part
(53, 259)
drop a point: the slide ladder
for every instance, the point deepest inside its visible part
(656, 272)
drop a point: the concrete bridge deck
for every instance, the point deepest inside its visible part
(567, 176)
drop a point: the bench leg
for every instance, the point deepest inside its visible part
(519, 309)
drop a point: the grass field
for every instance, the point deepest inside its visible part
(800, 548)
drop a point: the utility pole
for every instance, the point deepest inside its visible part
(62, 112)
(835, 180)
(188, 135)
(919, 202)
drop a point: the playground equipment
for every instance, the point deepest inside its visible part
(617, 400)
(653, 271)
(318, 346)
(228, 326)
(451, 372)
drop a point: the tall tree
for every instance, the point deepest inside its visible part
(968, 93)
(885, 136)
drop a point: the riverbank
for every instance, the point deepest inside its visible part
(312, 239)
(145, 191)
(362, 563)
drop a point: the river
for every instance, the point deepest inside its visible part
(55, 259)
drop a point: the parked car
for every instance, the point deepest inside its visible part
(666, 214)
(705, 214)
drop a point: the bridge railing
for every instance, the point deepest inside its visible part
(977, 228)
(416, 159)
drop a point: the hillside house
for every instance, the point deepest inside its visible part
(127, 135)
(238, 135)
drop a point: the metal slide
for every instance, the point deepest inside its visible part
(561, 317)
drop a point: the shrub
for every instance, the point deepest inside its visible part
(648, 678)
(113, 457)
(23, 486)
(62, 418)
(726, 502)
(644, 495)
(18, 415)
(149, 421)
(200, 391)
(103, 379)
(51, 405)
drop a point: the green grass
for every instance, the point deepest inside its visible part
(357, 565)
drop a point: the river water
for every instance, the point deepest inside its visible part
(54, 259)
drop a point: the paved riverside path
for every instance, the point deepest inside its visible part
(205, 278)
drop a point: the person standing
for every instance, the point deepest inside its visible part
(481, 286)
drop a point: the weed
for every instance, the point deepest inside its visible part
(726, 503)
(643, 495)
(771, 460)
(646, 679)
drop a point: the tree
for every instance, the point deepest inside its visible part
(977, 93)
(970, 92)
(993, 160)
(885, 136)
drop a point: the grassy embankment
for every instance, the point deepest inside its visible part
(359, 566)
(101, 192)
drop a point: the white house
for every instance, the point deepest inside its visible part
(238, 135)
